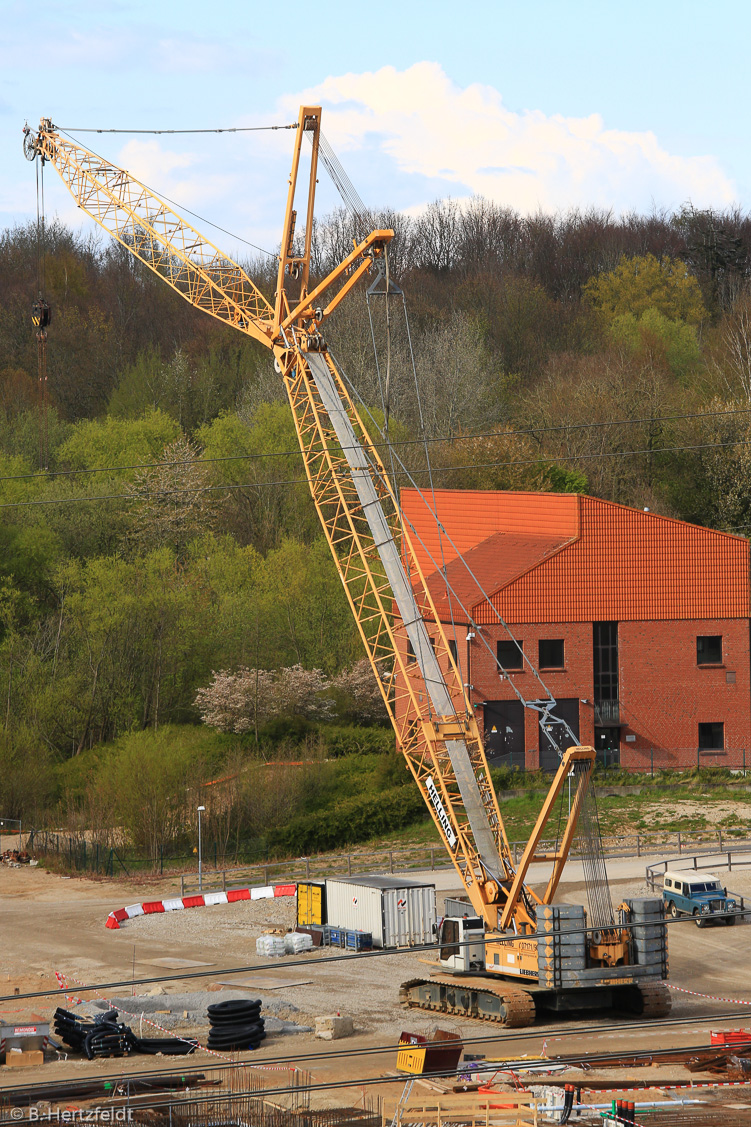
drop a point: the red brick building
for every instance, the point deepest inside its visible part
(638, 624)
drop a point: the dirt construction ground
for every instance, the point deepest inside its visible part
(50, 923)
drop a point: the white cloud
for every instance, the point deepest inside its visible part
(470, 140)
(166, 173)
(148, 161)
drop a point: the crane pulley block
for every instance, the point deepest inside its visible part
(41, 314)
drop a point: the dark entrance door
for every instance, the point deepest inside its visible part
(504, 733)
(608, 746)
(567, 709)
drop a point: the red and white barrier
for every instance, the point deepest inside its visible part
(205, 900)
(711, 997)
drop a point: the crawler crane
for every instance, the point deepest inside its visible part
(514, 952)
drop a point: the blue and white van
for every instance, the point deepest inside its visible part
(700, 896)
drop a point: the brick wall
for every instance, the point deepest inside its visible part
(665, 695)
(574, 680)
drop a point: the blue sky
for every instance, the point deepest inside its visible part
(538, 105)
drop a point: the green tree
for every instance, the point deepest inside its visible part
(312, 622)
(653, 330)
(645, 282)
(268, 497)
(118, 441)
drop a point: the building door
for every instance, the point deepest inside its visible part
(567, 709)
(608, 746)
(504, 733)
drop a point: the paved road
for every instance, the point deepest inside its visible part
(619, 868)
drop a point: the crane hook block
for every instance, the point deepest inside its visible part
(41, 314)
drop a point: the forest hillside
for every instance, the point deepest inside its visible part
(166, 596)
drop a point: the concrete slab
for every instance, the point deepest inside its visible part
(257, 982)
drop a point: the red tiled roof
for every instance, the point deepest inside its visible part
(494, 562)
(472, 515)
(614, 563)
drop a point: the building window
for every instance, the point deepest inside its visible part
(709, 649)
(551, 653)
(605, 660)
(510, 655)
(452, 651)
(411, 655)
(711, 737)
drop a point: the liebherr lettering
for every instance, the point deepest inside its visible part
(440, 810)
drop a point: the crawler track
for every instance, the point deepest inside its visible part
(481, 999)
(657, 1001)
(514, 1007)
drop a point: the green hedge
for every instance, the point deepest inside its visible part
(350, 821)
(350, 739)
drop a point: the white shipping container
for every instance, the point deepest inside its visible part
(396, 912)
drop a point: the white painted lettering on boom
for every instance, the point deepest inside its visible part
(440, 810)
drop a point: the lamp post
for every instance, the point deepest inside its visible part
(200, 858)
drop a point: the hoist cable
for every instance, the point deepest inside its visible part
(431, 482)
(44, 235)
(592, 856)
(484, 596)
(340, 179)
(41, 333)
(39, 234)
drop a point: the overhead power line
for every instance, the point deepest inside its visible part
(651, 1024)
(451, 439)
(398, 473)
(339, 959)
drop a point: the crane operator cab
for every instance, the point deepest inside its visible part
(461, 943)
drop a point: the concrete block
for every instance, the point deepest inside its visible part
(649, 931)
(334, 1026)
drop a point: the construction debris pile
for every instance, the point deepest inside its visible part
(16, 857)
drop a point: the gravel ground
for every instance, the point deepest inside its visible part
(367, 990)
(189, 1011)
(231, 929)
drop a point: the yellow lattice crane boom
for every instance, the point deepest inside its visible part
(359, 512)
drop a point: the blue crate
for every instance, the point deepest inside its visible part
(359, 940)
(338, 937)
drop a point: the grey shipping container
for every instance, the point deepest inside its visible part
(397, 912)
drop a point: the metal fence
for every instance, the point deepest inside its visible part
(429, 858)
(641, 758)
(76, 853)
(253, 866)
